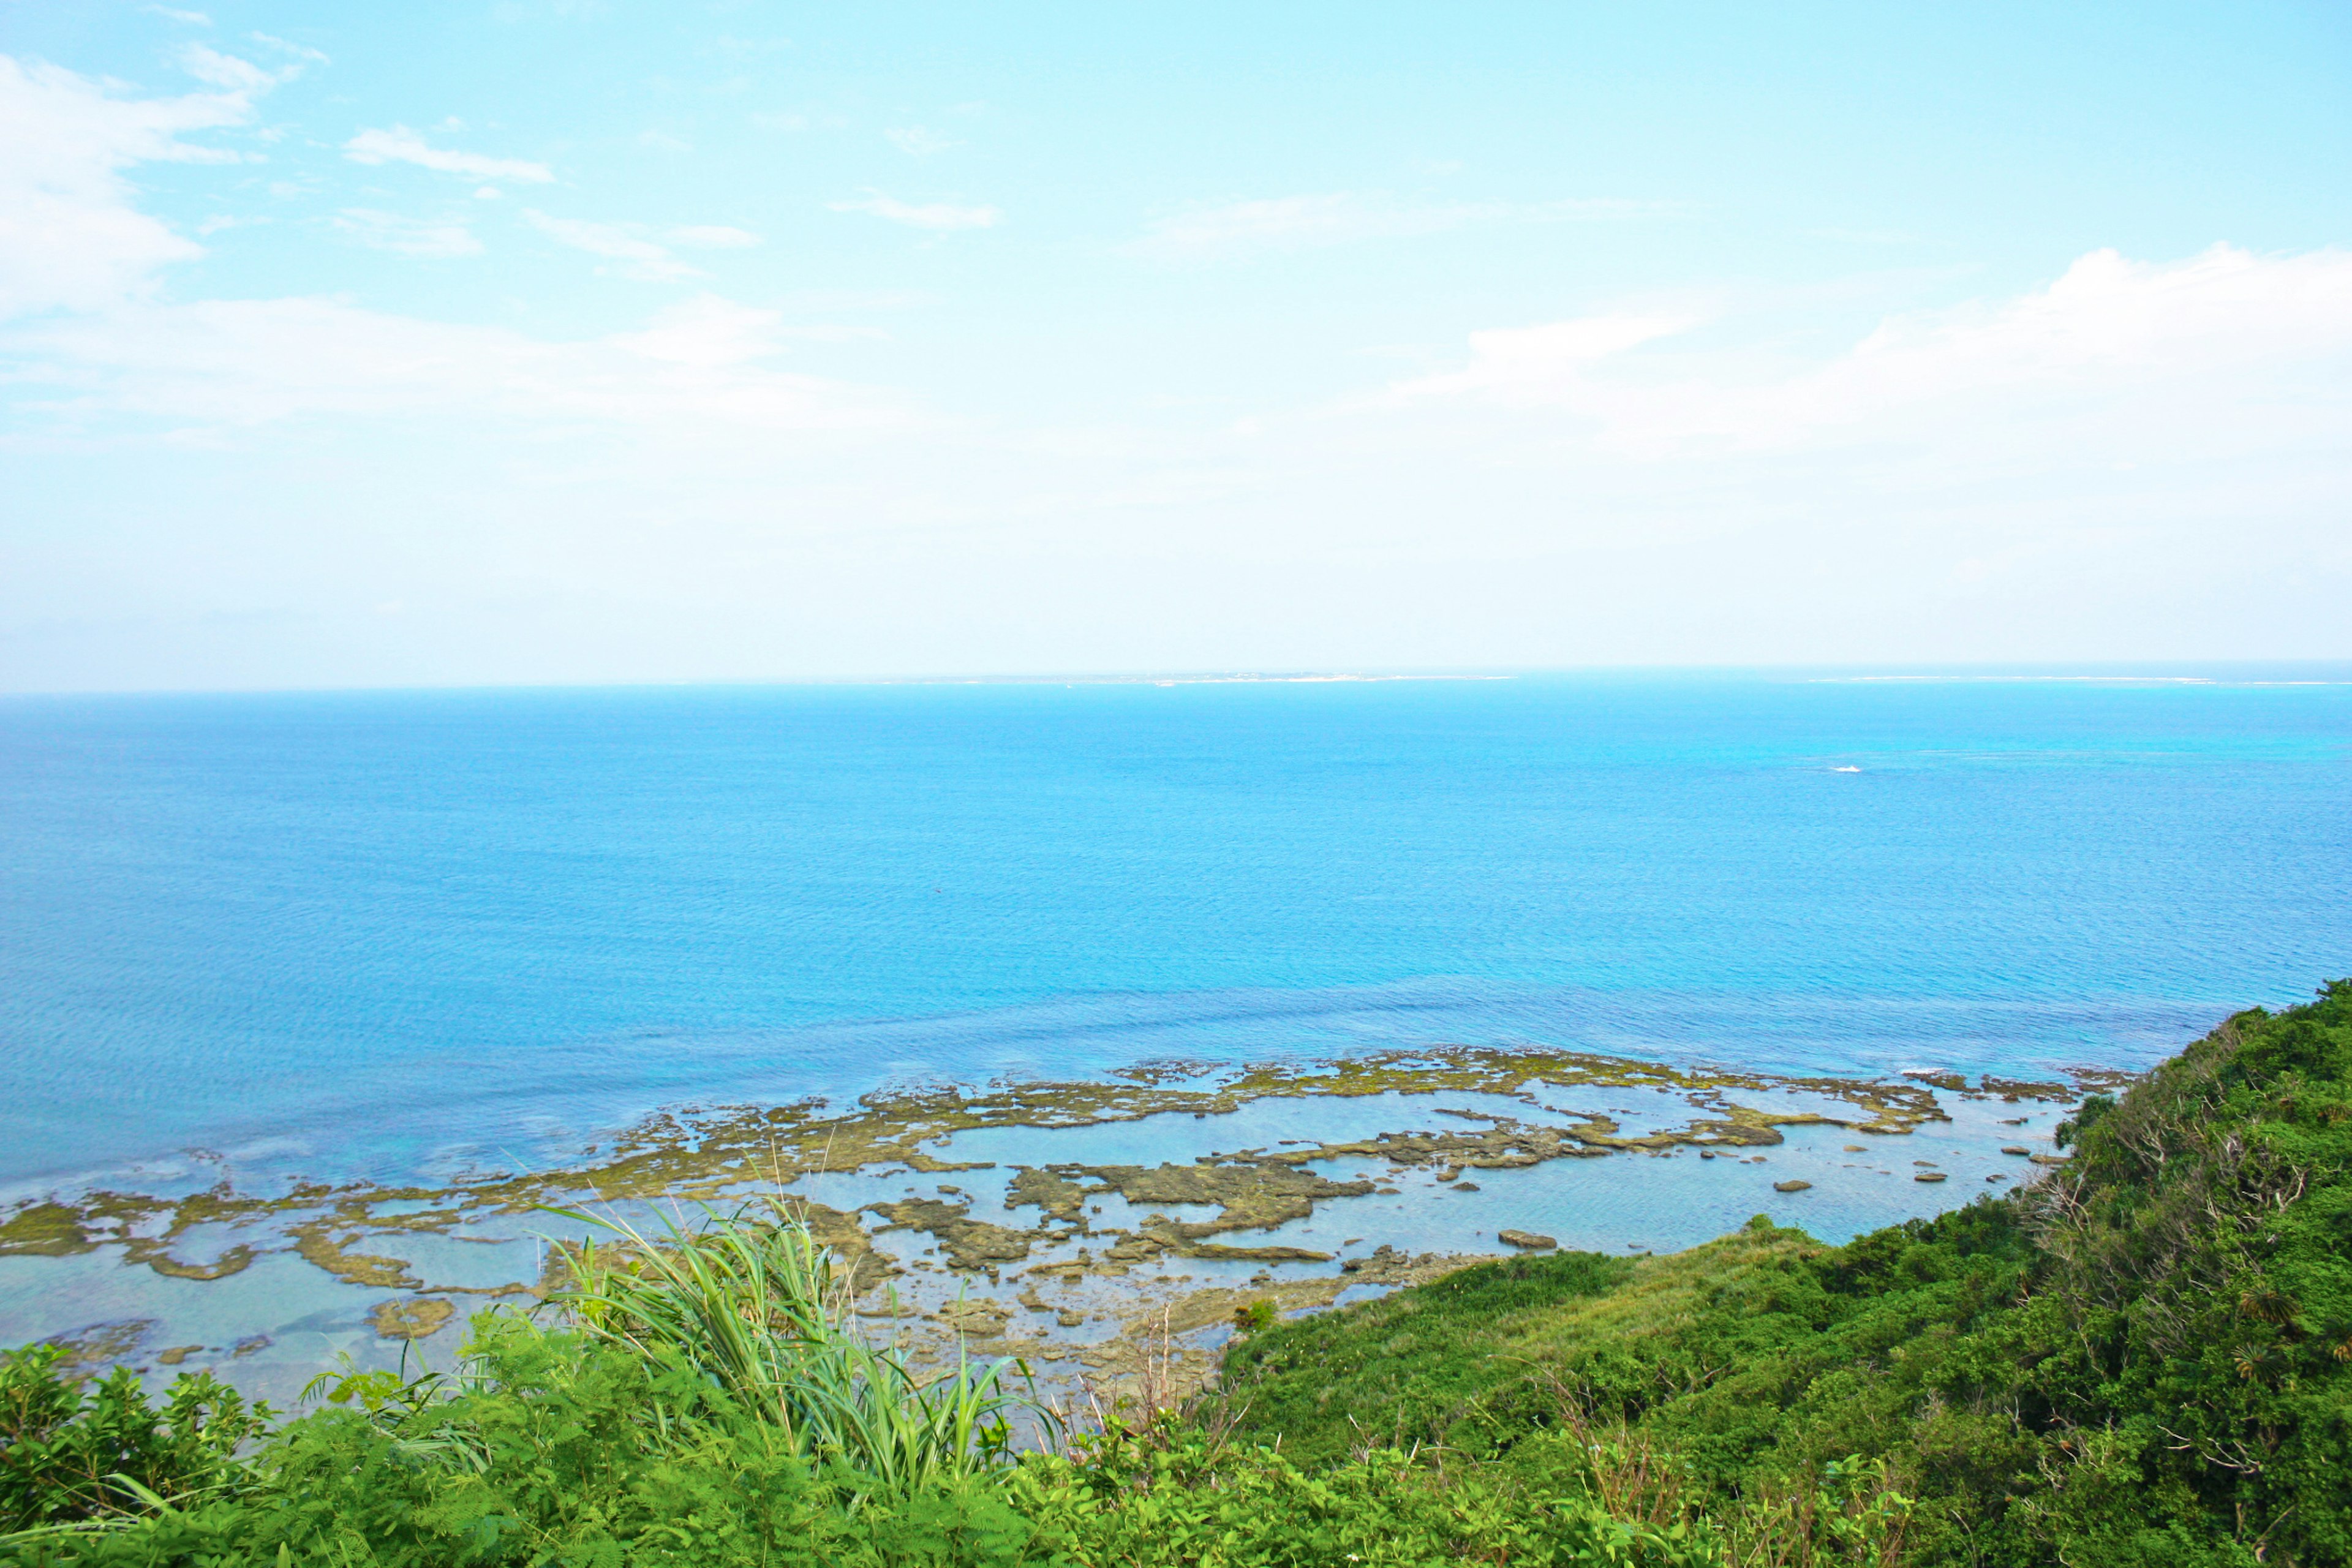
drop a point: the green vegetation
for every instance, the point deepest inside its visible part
(2145, 1360)
(752, 1310)
(626, 1446)
(68, 1454)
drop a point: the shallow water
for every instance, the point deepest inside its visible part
(269, 1327)
(396, 932)
(402, 935)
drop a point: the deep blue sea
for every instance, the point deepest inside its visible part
(399, 933)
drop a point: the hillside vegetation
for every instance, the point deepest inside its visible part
(2145, 1360)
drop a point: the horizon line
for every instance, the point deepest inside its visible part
(2174, 672)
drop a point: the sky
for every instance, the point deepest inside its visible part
(521, 341)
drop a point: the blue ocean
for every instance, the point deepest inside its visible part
(395, 934)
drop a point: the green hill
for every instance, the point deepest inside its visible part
(2147, 1359)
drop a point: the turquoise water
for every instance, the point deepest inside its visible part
(385, 933)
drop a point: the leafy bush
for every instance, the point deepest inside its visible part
(70, 1455)
(558, 1450)
(1171, 1495)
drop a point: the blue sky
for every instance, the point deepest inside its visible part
(527, 342)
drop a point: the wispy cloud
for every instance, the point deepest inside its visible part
(639, 250)
(78, 261)
(400, 145)
(712, 236)
(70, 234)
(172, 13)
(229, 72)
(636, 255)
(2133, 360)
(939, 216)
(1546, 363)
(288, 46)
(243, 363)
(1226, 229)
(920, 143)
(709, 330)
(662, 141)
(435, 238)
(1865, 236)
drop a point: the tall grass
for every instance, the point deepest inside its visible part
(753, 1303)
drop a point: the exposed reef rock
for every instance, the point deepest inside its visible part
(971, 1242)
(353, 1231)
(979, 1320)
(416, 1319)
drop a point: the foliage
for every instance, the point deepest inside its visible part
(69, 1455)
(1167, 1493)
(553, 1449)
(752, 1304)
(557, 1449)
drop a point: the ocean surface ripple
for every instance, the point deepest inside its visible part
(382, 934)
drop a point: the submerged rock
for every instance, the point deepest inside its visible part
(416, 1319)
(974, 1319)
(971, 1242)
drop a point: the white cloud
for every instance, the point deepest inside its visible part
(708, 331)
(1286, 221)
(243, 363)
(625, 244)
(634, 247)
(920, 143)
(941, 216)
(1547, 363)
(286, 46)
(192, 18)
(229, 72)
(2117, 359)
(438, 239)
(400, 145)
(70, 235)
(2120, 460)
(663, 142)
(1290, 223)
(71, 242)
(712, 236)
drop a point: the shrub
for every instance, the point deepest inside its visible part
(71, 1455)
